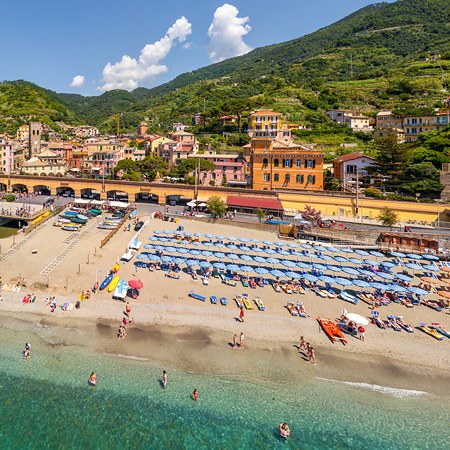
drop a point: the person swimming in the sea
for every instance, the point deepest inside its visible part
(195, 395)
(92, 379)
(26, 352)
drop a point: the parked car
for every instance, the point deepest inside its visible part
(138, 226)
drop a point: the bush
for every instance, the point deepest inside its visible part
(9, 198)
(373, 192)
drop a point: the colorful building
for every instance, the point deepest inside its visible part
(267, 123)
(273, 164)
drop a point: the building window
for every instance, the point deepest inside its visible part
(235, 177)
(213, 175)
(276, 178)
(287, 163)
(298, 163)
(266, 176)
(310, 163)
(299, 179)
(311, 179)
(276, 162)
(287, 179)
(265, 163)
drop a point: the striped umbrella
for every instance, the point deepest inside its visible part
(398, 255)
(310, 277)
(270, 251)
(371, 262)
(293, 275)
(192, 262)
(166, 259)
(142, 256)
(246, 257)
(303, 265)
(268, 242)
(288, 263)
(414, 256)
(343, 281)
(148, 246)
(153, 238)
(219, 255)
(340, 259)
(195, 252)
(154, 258)
(232, 267)
(327, 279)
(388, 264)
(293, 245)
(246, 269)
(431, 257)
(205, 264)
(350, 271)
(431, 267)
(284, 253)
(167, 231)
(333, 249)
(232, 247)
(347, 250)
(261, 271)
(361, 283)
(208, 244)
(386, 276)
(273, 261)
(219, 265)
(208, 235)
(397, 288)
(244, 239)
(244, 248)
(362, 252)
(232, 256)
(279, 244)
(277, 273)
(179, 261)
(355, 261)
(219, 245)
(254, 240)
(418, 290)
(231, 238)
(260, 260)
(367, 272)
(319, 267)
(182, 250)
(207, 253)
(334, 268)
(258, 249)
(198, 234)
(306, 246)
(324, 257)
(402, 276)
(376, 254)
(156, 231)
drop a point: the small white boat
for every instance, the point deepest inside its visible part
(72, 227)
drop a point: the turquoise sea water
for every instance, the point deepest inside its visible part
(45, 402)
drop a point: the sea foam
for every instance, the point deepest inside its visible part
(394, 392)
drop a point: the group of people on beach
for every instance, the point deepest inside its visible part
(241, 343)
(126, 320)
(307, 347)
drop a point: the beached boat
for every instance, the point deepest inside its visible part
(116, 268)
(332, 330)
(431, 332)
(80, 219)
(71, 212)
(440, 328)
(138, 226)
(114, 282)
(106, 226)
(121, 290)
(128, 255)
(71, 227)
(106, 281)
(96, 211)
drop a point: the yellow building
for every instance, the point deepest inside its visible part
(46, 163)
(267, 123)
(22, 133)
(273, 164)
(153, 145)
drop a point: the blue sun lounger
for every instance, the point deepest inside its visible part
(197, 296)
(213, 299)
(223, 301)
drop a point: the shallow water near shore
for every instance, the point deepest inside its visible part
(47, 403)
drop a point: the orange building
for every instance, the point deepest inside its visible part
(274, 164)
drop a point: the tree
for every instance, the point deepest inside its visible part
(260, 214)
(216, 206)
(311, 214)
(390, 153)
(388, 217)
(152, 167)
(189, 165)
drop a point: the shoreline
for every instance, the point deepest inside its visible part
(207, 351)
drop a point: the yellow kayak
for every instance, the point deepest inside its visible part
(116, 268)
(114, 283)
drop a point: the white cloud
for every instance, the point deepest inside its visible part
(128, 72)
(187, 45)
(77, 81)
(226, 32)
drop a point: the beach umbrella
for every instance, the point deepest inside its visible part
(402, 276)
(136, 284)
(195, 252)
(377, 285)
(154, 258)
(273, 261)
(258, 249)
(332, 249)
(368, 273)
(148, 246)
(361, 283)
(178, 232)
(386, 276)
(205, 264)
(376, 254)
(219, 265)
(288, 263)
(293, 245)
(277, 273)
(417, 290)
(156, 231)
(307, 246)
(142, 256)
(343, 281)
(192, 262)
(360, 320)
(167, 231)
(206, 253)
(198, 234)
(305, 253)
(334, 268)
(159, 248)
(283, 252)
(182, 250)
(244, 248)
(244, 239)
(270, 251)
(413, 266)
(320, 248)
(431, 257)
(362, 252)
(174, 241)
(294, 275)
(279, 244)
(246, 269)
(347, 250)
(232, 256)
(170, 249)
(388, 264)
(219, 255)
(261, 271)
(219, 245)
(260, 260)
(324, 257)
(327, 279)
(355, 261)
(268, 242)
(153, 238)
(371, 262)
(310, 277)
(231, 238)
(397, 288)
(187, 234)
(340, 259)
(166, 259)
(208, 235)
(254, 240)
(208, 244)
(350, 271)
(220, 238)
(319, 266)
(414, 256)
(163, 240)
(246, 257)
(398, 255)
(303, 265)
(232, 247)
(232, 267)
(431, 267)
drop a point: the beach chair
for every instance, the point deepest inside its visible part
(213, 299)
(393, 323)
(377, 321)
(197, 296)
(292, 309)
(259, 304)
(244, 282)
(223, 301)
(246, 301)
(301, 309)
(344, 295)
(239, 302)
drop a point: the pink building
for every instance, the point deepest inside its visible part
(229, 170)
(182, 146)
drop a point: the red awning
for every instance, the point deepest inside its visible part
(272, 204)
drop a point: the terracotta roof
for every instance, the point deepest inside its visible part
(352, 156)
(272, 204)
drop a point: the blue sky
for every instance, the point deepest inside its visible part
(50, 42)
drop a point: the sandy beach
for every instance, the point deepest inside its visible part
(175, 331)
